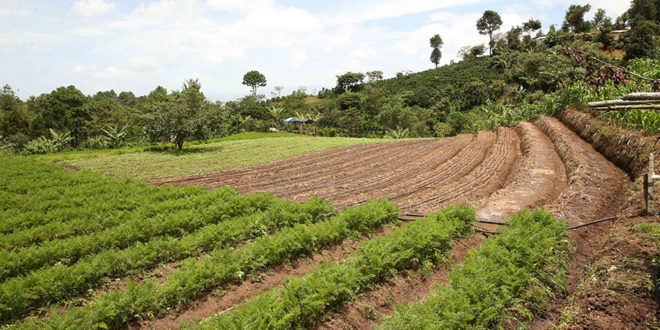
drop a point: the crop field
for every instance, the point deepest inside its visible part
(311, 241)
(235, 151)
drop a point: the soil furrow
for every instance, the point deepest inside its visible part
(390, 174)
(359, 167)
(595, 189)
(539, 180)
(405, 176)
(488, 176)
(321, 170)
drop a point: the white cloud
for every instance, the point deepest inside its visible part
(342, 37)
(90, 32)
(614, 8)
(92, 7)
(242, 6)
(4, 11)
(456, 31)
(298, 56)
(396, 8)
(182, 27)
(107, 72)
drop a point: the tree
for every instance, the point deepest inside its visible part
(574, 19)
(349, 80)
(63, 110)
(599, 19)
(277, 113)
(375, 75)
(254, 79)
(436, 43)
(641, 42)
(642, 10)
(181, 117)
(471, 52)
(8, 100)
(532, 25)
(487, 24)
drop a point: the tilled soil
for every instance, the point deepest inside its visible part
(499, 173)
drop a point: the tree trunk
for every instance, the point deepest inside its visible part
(600, 104)
(642, 96)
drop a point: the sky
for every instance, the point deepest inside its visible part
(129, 45)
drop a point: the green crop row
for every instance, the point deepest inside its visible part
(88, 219)
(60, 282)
(304, 301)
(220, 205)
(219, 267)
(509, 277)
(35, 194)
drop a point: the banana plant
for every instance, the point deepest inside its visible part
(60, 140)
(114, 136)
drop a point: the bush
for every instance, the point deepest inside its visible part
(97, 142)
(40, 146)
(442, 129)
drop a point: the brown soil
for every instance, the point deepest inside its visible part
(615, 289)
(539, 179)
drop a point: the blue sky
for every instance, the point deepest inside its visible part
(138, 45)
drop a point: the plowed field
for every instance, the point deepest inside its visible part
(498, 172)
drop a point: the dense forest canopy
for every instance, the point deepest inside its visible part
(520, 78)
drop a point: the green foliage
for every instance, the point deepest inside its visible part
(115, 137)
(574, 19)
(222, 266)
(172, 223)
(512, 275)
(399, 133)
(349, 81)
(304, 301)
(642, 41)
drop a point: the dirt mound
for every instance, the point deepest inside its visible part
(628, 149)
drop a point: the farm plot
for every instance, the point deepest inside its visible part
(420, 176)
(155, 257)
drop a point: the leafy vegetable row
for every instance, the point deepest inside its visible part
(220, 267)
(304, 301)
(95, 217)
(34, 193)
(222, 204)
(508, 278)
(60, 282)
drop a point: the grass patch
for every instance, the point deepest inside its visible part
(91, 153)
(231, 152)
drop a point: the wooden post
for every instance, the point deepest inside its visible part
(648, 187)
